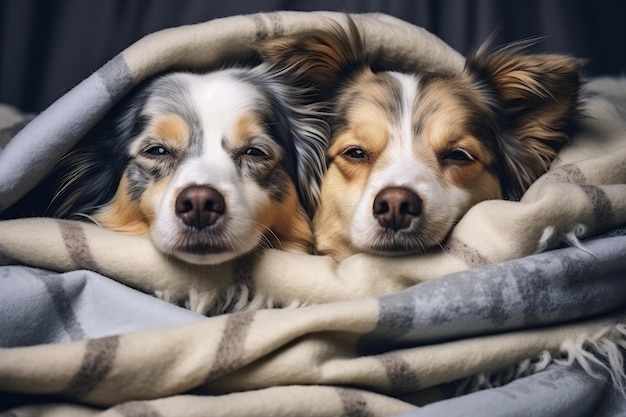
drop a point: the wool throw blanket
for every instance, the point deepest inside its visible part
(523, 310)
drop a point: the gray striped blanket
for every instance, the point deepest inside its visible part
(523, 310)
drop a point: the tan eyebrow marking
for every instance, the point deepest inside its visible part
(247, 127)
(173, 129)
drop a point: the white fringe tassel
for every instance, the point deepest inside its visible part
(599, 355)
(551, 237)
(604, 351)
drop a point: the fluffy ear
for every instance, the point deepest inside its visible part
(321, 57)
(536, 102)
(313, 64)
(88, 176)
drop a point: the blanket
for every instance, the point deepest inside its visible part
(521, 312)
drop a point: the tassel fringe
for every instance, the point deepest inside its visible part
(599, 355)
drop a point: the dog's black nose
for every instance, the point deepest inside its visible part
(200, 206)
(395, 207)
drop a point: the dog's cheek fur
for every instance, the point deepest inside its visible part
(290, 225)
(151, 199)
(277, 184)
(339, 201)
(124, 212)
(130, 213)
(481, 184)
(285, 224)
(270, 175)
(137, 180)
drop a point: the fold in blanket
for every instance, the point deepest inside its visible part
(403, 347)
(519, 288)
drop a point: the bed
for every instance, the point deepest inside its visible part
(521, 312)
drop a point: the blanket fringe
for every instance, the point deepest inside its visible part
(482, 381)
(573, 238)
(599, 355)
(552, 237)
(602, 353)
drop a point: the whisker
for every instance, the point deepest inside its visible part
(88, 217)
(271, 232)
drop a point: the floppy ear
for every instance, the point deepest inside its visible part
(320, 57)
(312, 64)
(87, 177)
(536, 100)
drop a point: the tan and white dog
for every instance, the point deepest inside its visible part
(411, 153)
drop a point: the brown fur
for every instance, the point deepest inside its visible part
(290, 227)
(538, 98)
(247, 127)
(510, 110)
(173, 129)
(125, 215)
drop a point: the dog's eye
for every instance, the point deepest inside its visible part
(355, 153)
(458, 156)
(255, 152)
(156, 151)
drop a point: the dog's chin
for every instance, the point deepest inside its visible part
(204, 258)
(403, 243)
(205, 248)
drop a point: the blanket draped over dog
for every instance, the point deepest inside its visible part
(522, 310)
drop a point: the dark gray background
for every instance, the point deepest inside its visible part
(48, 46)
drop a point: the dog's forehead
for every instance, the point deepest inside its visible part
(378, 110)
(369, 95)
(419, 109)
(218, 108)
(364, 110)
(225, 89)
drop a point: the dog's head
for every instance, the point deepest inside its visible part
(411, 153)
(209, 165)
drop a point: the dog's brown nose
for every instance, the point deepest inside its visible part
(200, 206)
(395, 207)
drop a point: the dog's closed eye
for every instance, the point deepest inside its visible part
(457, 156)
(256, 152)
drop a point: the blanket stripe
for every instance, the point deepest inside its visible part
(61, 301)
(77, 246)
(106, 362)
(470, 256)
(230, 352)
(96, 364)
